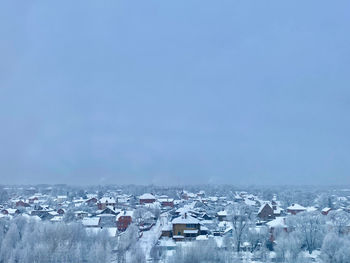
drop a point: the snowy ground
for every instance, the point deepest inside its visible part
(150, 238)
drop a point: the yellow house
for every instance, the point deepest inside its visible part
(185, 226)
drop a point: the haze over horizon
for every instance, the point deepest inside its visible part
(181, 92)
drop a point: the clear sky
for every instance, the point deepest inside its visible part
(168, 92)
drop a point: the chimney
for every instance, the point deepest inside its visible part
(185, 215)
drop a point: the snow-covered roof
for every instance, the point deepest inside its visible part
(166, 200)
(147, 196)
(110, 200)
(185, 220)
(278, 210)
(222, 213)
(263, 205)
(204, 228)
(278, 222)
(11, 210)
(182, 210)
(125, 213)
(91, 221)
(53, 213)
(296, 207)
(326, 209)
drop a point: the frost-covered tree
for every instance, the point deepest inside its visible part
(156, 253)
(257, 238)
(69, 216)
(325, 200)
(9, 243)
(335, 249)
(288, 247)
(138, 214)
(309, 226)
(43, 242)
(340, 220)
(201, 252)
(137, 255)
(241, 216)
(4, 196)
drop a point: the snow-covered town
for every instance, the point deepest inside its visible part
(174, 224)
(185, 131)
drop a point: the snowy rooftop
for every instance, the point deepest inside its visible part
(326, 209)
(91, 221)
(110, 200)
(185, 220)
(278, 222)
(147, 196)
(166, 200)
(263, 205)
(11, 210)
(125, 213)
(296, 207)
(222, 213)
(278, 210)
(182, 210)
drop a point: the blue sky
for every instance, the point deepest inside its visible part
(169, 92)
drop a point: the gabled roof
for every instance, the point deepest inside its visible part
(147, 196)
(185, 220)
(263, 205)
